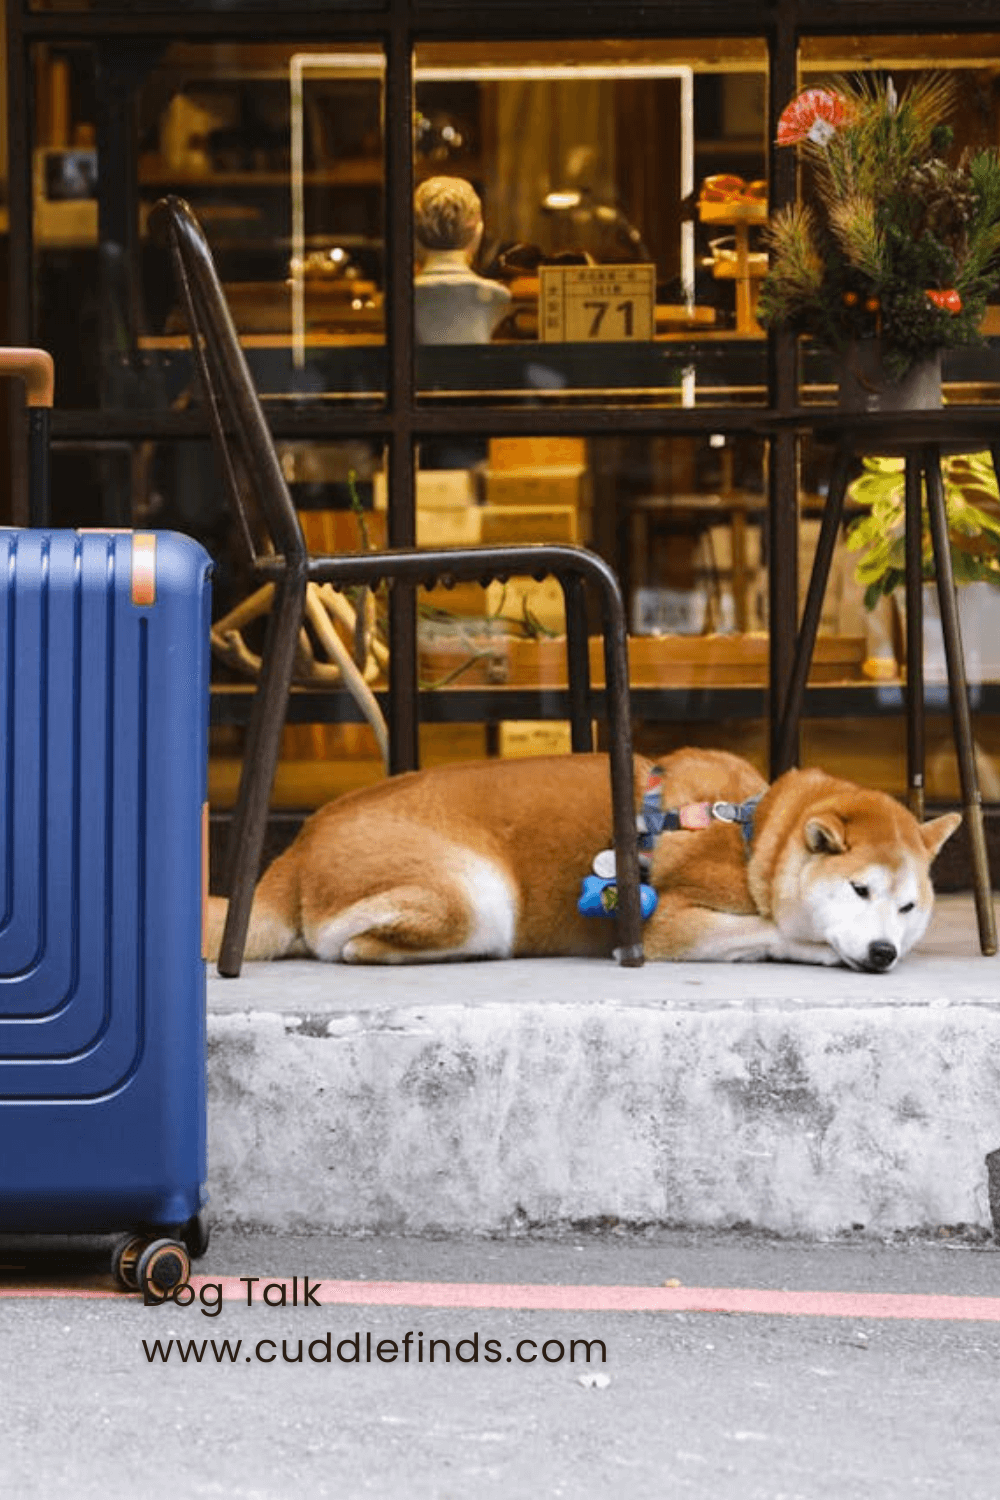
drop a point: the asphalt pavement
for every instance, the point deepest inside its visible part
(97, 1399)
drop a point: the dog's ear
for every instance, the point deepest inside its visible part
(826, 834)
(938, 831)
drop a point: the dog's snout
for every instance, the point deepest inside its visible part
(881, 956)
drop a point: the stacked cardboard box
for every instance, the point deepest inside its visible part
(447, 513)
(536, 490)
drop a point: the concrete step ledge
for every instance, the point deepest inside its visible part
(537, 1093)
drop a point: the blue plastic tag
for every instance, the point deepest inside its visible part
(599, 898)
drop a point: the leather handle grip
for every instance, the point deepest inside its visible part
(35, 368)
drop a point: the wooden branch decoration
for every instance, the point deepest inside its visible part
(325, 609)
(353, 680)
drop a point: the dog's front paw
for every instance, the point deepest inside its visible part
(810, 953)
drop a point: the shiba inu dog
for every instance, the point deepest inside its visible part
(485, 859)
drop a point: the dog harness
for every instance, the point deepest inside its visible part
(599, 895)
(654, 819)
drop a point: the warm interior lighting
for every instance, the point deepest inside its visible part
(372, 64)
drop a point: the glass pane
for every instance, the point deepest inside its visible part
(328, 745)
(973, 65)
(866, 577)
(864, 610)
(280, 156)
(182, 8)
(620, 190)
(683, 523)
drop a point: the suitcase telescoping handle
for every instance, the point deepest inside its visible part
(35, 368)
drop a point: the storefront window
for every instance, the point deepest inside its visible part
(610, 254)
(283, 165)
(193, 7)
(622, 194)
(866, 590)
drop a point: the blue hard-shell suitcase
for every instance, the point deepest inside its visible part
(104, 671)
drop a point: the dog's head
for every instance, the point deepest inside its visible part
(857, 877)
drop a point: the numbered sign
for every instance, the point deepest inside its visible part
(578, 304)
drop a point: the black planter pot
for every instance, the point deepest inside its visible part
(865, 386)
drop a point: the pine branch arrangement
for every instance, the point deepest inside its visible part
(897, 243)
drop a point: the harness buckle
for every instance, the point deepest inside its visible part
(727, 812)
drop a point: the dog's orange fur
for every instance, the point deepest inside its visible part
(439, 863)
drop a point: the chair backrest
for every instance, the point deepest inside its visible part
(240, 430)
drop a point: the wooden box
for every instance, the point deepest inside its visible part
(537, 452)
(553, 484)
(502, 524)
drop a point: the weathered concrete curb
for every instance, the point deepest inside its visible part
(483, 1118)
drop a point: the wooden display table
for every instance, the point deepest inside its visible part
(743, 267)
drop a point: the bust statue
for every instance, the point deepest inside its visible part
(452, 304)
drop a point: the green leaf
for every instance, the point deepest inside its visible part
(863, 533)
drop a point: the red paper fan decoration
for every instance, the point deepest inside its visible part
(814, 115)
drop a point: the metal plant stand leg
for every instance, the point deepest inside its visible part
(788, 732)
(246, 838)
(915, 756)
(958, 692)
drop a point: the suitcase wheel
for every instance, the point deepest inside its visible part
(125, 1261)
(195, 1235)
(163, 1265)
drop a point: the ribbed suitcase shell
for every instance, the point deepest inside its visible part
(103, 780)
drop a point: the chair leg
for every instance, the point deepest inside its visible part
(791, 713)
(578, 664)
(958, 692)
(630, 954)
(915, 754)
(246, 838)
(404, 697)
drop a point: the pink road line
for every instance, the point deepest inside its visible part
(555, 1298)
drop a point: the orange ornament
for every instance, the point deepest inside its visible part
(872, 304)
(850, 299)
(948, 301)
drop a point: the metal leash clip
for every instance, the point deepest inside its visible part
(726, 812)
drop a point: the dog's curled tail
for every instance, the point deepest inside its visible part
(269, 935)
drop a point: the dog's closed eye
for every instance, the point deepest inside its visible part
(860, 890)
(908, 907)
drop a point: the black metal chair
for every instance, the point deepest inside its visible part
(249, 460)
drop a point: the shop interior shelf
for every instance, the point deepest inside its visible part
(231, 703)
